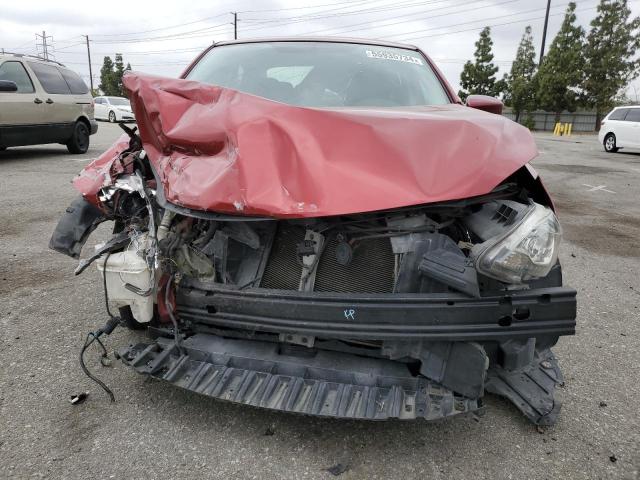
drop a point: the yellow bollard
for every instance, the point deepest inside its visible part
(556, 130)
(567, 129)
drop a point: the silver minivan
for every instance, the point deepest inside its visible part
(42, 101)
(620, 129)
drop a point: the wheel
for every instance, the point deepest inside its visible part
(610, 143)
(112, 117)
(79, 141)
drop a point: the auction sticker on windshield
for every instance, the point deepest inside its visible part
(393, 56)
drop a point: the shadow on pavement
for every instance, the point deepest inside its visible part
(29, 153)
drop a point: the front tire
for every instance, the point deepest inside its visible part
(610, 143)
(79, 141)
(112, 117)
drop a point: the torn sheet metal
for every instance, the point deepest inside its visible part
(222, 150)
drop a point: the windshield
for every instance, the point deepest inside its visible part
(119, 101)
(323, 74)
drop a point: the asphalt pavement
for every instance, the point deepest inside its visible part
(157, 431)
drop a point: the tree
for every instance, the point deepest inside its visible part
(111, 76)
(609, 55)
(520, 93)
(119, 72)
(107, 77)
(560, 74)
(479, 77)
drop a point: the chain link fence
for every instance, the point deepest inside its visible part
(546, 121)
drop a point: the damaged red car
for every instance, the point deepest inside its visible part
(320, 226)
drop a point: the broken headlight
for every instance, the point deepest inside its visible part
(528, 251)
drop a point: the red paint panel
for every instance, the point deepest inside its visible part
(221, 150)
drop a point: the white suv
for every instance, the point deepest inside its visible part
(621, 129)
(41, 101)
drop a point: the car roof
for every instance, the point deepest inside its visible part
(627, 106)
(31, 58)
(361, 41)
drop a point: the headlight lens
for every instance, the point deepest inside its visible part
(529, 251)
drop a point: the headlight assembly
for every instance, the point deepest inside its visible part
(527, 251)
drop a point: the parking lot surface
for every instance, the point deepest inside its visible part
(157, 431)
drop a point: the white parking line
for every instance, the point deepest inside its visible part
(598, 188)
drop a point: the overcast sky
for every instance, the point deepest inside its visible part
(162, 37)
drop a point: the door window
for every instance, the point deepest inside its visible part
(618, 114)
(51, 79)
(633, 115)
(76, 84)
(15, 72)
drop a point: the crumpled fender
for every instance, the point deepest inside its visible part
(221, 150)
(74, 227)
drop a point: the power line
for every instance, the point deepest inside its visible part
(69, 46)
(152, 52)
(172, 36)
(138, 32)
(429, 17)
(301, 8)
(262, 24)
(21, 46)
(329, 12)
(495, 25)
(140, 64)
(471, 21)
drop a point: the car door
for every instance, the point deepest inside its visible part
(621, 128)
(107, 108)
(21, 112)
(613, 123)
(632, 121)
(61, 110)
(100, 111)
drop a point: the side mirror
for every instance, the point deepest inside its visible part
(8, 86)
(486, 103)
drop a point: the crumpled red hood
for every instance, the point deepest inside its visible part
(222, 150)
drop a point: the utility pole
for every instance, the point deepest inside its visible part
(544, 32)
(89, 58)
(45, 47)
(235, 25)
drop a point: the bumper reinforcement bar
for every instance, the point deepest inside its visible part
(434, 317)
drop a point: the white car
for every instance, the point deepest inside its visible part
(114, 109)
(620, 129)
